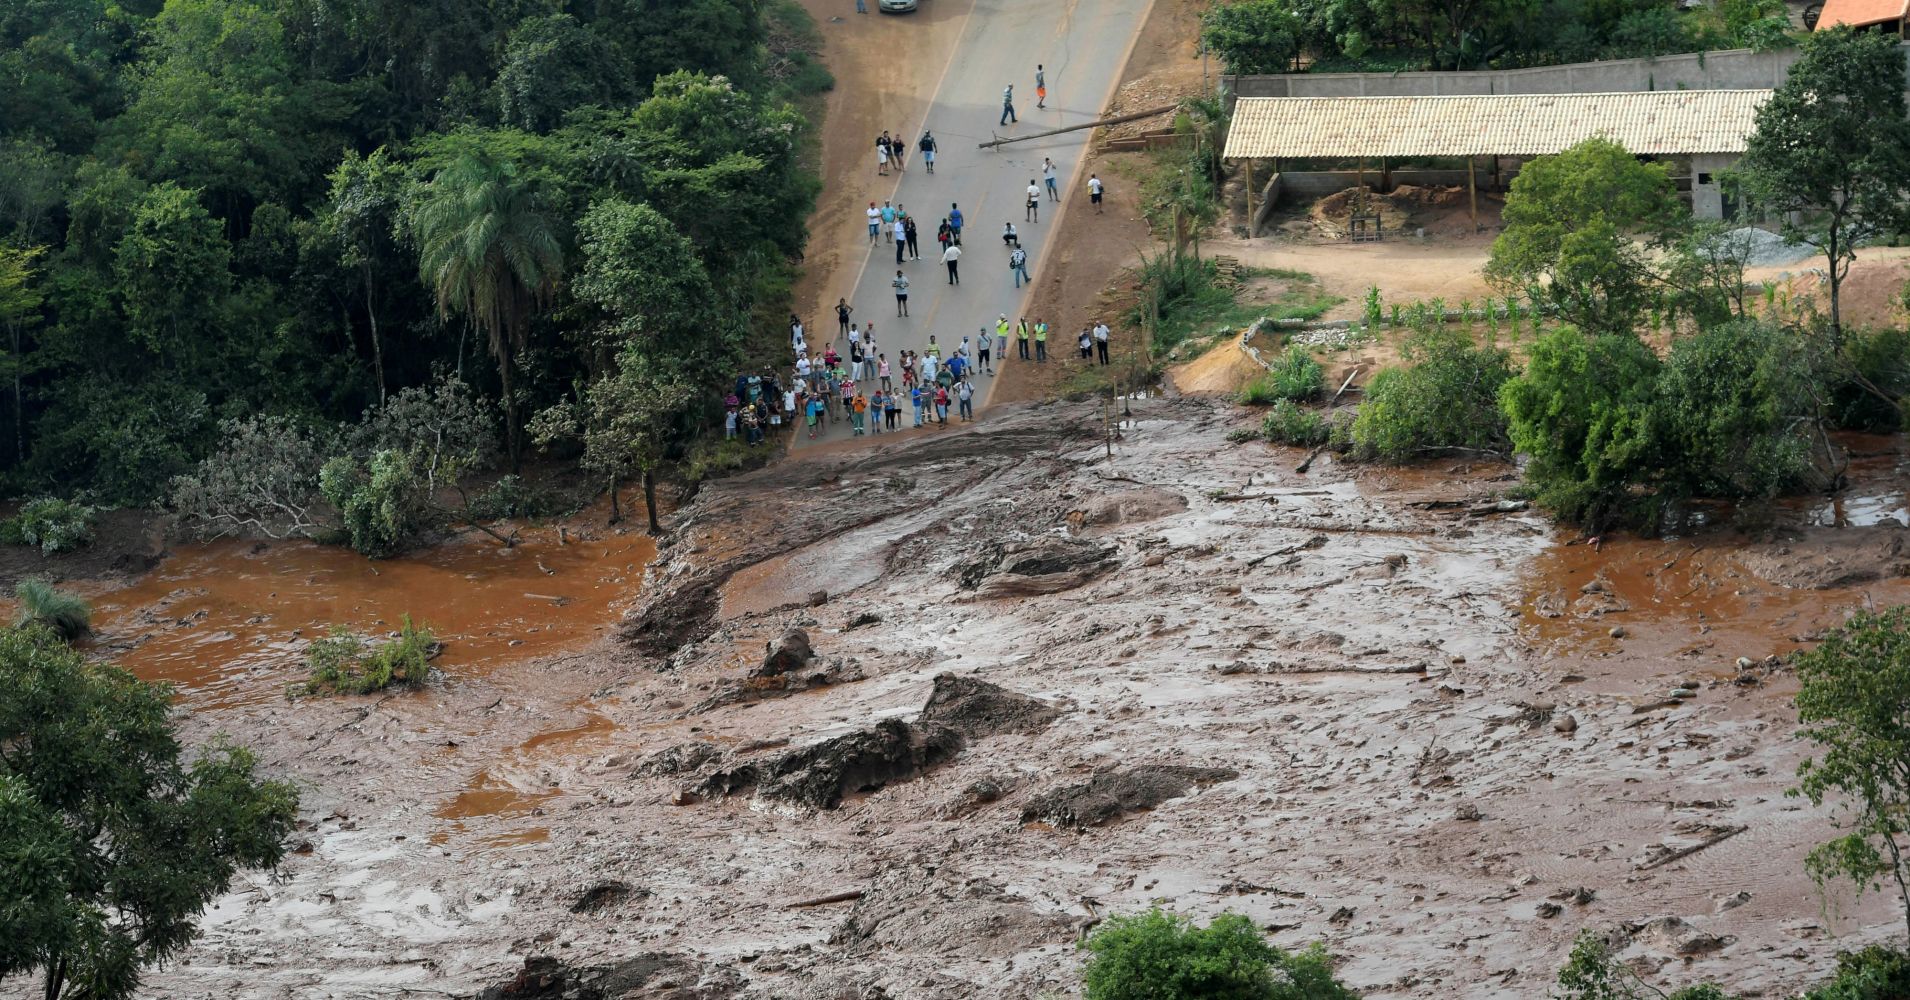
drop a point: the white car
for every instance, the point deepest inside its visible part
(895, 6)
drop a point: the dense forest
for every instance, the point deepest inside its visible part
(1284, 36)
(265, 220)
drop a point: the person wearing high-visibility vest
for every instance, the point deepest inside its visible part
(1041, 340)
(1021, 339)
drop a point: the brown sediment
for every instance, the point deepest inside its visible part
(226, 622)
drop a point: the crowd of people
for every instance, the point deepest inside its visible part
(851, 380)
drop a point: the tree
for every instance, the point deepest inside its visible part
(488, 251)
(111, 843)
(624, 421)
(263, 478)
(1253, 36)
(553, 64)
(363, 211)
(1831, 152)
(1572, 228)
(646, 279)
(20, 305)
(382, 501)
(1583, 410)
(1853, 702)
(1160, 956)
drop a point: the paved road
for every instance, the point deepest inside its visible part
(1083, 44)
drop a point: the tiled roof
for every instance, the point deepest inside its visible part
(1660, 122)
(1858, 13)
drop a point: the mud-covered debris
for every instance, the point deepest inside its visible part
(655, 976)
(788, 654)
(1136, 506)
(818, 776)
(673, 618)
(1113, 794)
(976, 708)
(864, 620)
(959, 709)
(603, 896)
(1043, 565)
(679, 759)
(980, 918)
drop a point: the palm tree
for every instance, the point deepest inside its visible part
(487, 251)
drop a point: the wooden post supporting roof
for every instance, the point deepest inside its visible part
(1472, 192)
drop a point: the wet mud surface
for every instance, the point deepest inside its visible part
(1371, 707)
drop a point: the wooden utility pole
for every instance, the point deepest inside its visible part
(1472, 192)
(1116, 120)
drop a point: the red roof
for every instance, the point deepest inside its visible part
(1858, 13)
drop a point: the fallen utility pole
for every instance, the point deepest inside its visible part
(1116, 120)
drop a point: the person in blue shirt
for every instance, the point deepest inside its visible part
(955, 222)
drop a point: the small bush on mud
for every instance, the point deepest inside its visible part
(1874, 973)
(1583, 411)
(345, 663)
(1290, 423)
(53, 524)
(1159, 956)
(67, 615)
(382, 504)
(1593, 972)
(1295, 376)
(1448, 398)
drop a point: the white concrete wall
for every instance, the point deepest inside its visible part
(1729, 69)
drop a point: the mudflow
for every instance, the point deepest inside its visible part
(908, 720)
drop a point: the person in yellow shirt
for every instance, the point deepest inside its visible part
(1041, 340)
(1021, 338)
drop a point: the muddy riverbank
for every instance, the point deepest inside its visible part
(1353, 705)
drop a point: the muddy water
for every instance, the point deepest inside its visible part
(226, 622)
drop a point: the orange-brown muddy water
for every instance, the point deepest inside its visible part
(226, 622)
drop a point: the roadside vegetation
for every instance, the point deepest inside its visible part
(344, 662)
(234, 230)
(1289, 36)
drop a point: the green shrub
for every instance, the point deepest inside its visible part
(53, 524)
(1258, 391)
(1736, 403)
(382, 504)
(1584, 411)
(1593, 972)
(512, 496)
(1881, 358)
(1158, 956)
(1447, 398)
(1290, 423)
(1874, 973)
(11, 533)
(67, 615)
(1297, 376)
(345, 663)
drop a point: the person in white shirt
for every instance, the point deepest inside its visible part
(1033, 213)
(802, 367)
(875, 224)
(951, 257)
(965, 392)
(1010, 238)
(1094, 192)
(855, 335)
(1101, 339)
(901, 284)
(1048, 177)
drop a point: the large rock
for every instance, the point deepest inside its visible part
(654, 976)
(1045, 564)
(787, 654)
(1113, 794)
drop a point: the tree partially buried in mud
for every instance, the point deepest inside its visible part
(111, 843)
(1161, 956)
(1854, 704)
(626, 422)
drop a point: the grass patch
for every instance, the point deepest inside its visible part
(1290, 423)
(66, 615)
(346, 663)
(1296, 376)
(1194, 305)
